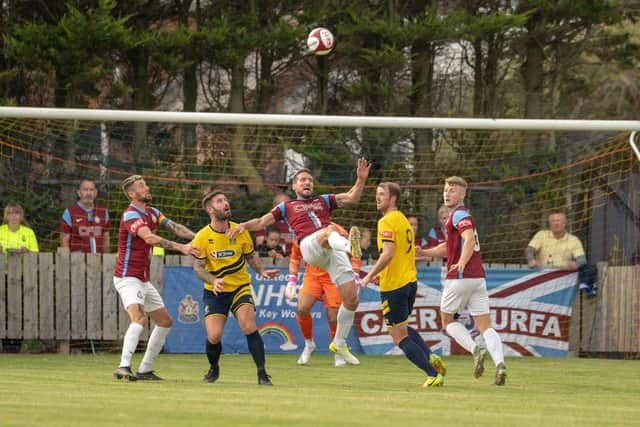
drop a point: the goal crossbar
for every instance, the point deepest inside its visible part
(317, 120)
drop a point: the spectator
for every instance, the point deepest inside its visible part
(369, 252)
(420, 242)
(84, 226)
(271, 246)
(555, 248)
(286, 235)
(15, 235)
(437, 234)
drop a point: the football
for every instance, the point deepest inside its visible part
(320, 41)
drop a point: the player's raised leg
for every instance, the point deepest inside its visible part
(346, 314)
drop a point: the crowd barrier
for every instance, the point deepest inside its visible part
(69, 296)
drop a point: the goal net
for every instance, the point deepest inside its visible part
(516, 176)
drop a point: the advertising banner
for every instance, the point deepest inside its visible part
(530, 309)
(275, 317)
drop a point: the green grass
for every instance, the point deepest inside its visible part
(57, 390)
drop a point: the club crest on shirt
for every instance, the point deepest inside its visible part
(188, 310)
(96, 219)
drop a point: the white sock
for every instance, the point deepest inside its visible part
(458, 332)
(494, 345)
(345, 321)
(336, 241)
(156, 341)
(130, 343)
(309, 343)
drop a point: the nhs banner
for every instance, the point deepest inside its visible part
(275, 317)
(530, 310)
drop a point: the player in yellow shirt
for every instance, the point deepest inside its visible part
(227, 283)
(398, 282)
(15, 236)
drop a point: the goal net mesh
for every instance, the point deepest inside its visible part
(516, 178)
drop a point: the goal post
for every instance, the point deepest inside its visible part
(518, 170)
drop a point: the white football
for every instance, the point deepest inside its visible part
(320, 41)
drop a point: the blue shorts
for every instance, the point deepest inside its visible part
(397, 305)
(224, 302)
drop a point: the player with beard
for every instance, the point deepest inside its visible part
(227, 284)
(396, 273)
(136, 237)
(320, 244)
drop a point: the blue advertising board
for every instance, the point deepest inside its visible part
(275, 317)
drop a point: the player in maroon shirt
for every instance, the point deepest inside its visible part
(85, 225)
(320, 244)
(136, 237)
(465, 283)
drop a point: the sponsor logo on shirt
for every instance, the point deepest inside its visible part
(222, 254)
(465, 222)
(315, 206)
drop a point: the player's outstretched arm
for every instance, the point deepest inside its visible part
(154, 240)
(353, 195)
(439, 251)
(254, 224)
(256, 265)
(179, 230)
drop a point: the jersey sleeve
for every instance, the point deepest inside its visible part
(132, 222)
(432, 239)
(200, 242)
(330, 200)
(65, 222)
(385, 231)
(278, 212)
(247, 244)
(162, 220)
(463, 221)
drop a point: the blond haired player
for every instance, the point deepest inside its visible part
(136, 237)
(465, 283)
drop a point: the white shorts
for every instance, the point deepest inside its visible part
(134, 291)
(457, 294)
(334, 262)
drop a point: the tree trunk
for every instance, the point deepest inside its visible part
(533, 71)
(243, 168)
(422, 70)
(141, 99)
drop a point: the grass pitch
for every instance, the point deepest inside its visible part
(57, 390)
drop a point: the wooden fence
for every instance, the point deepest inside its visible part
(70, 296)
